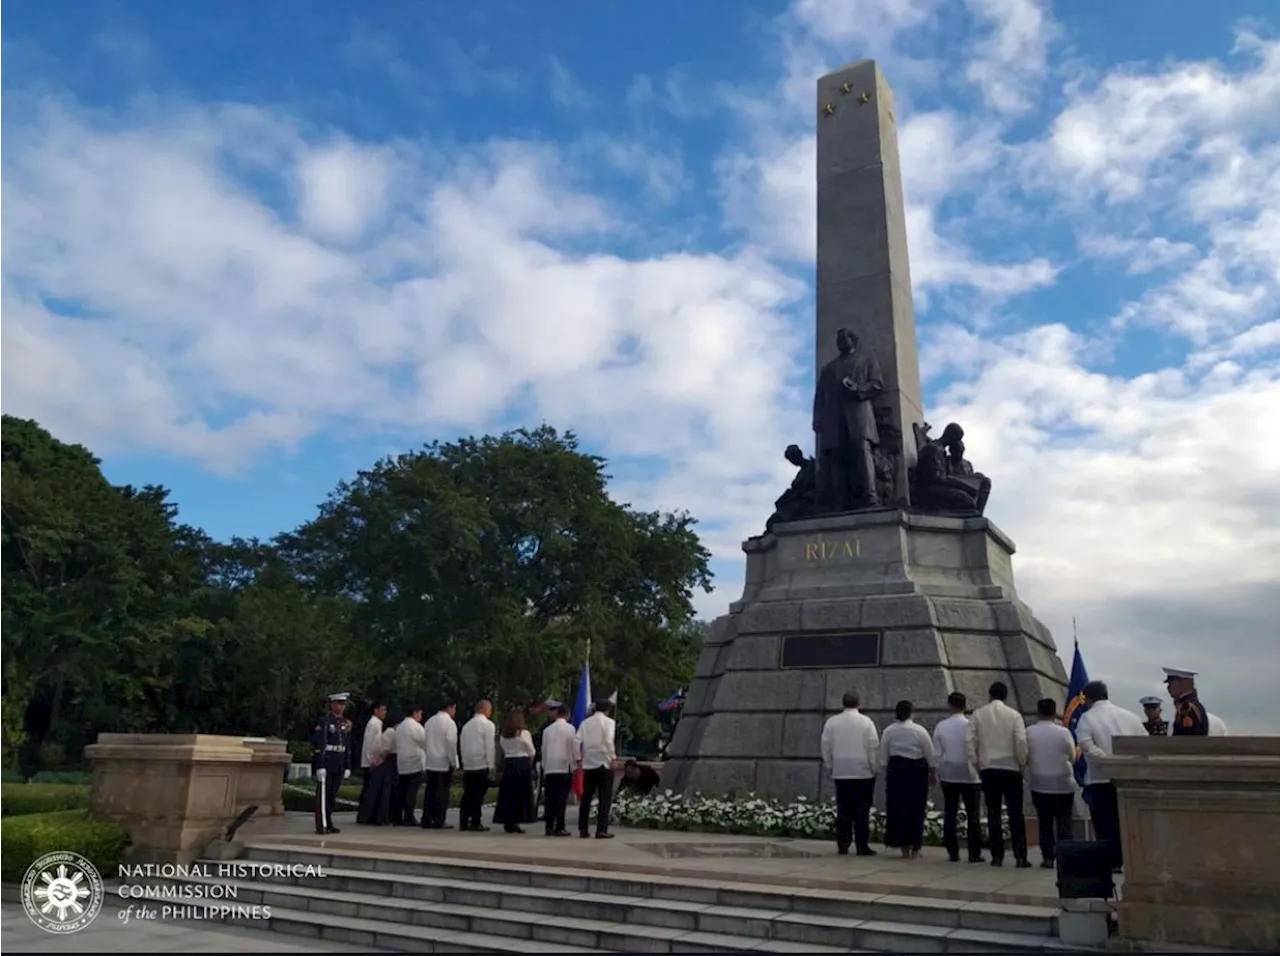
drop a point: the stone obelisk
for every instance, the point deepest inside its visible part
(864, 277)
(892, 604)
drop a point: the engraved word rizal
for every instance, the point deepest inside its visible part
(832, 550)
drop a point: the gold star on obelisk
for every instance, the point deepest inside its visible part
(864, 97)
(828, 109)
(845, 88)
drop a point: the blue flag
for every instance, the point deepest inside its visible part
(582, 706)
(581, 709)
(1076, 707)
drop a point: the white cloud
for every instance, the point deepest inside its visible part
(1177, 165)
(1010, 59)
(1154, 522)
(463, 300)
(566, 91)
(1141, 255)
(773, 197)
(1129, 134)
(154, 301)
(344, 188)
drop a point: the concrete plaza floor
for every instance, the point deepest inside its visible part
(801, 866)
(811, 865)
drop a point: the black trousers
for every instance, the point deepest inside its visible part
(1053, 819)
(333, 781)
(475, 783)
(853, 812)
(366, 777)
(1104, 807)
(970, 795)
(557, 790)
(1001, 787)
(435, 802)
(405, 798)
(596, 783)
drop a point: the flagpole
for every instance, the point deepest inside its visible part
(1075, 637)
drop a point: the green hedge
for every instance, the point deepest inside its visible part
(23, 799)
(48, 776)
(27, 838)
(304, 800)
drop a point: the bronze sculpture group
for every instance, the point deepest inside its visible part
(858, 452)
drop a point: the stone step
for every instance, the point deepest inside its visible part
(565, 923)
(661, 900)
(378, 935)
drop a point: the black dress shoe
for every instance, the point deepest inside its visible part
(953, 857)
(1047, 864)
(604, 836)
(1023, 865)
(479, 828)
(585, 836)
(866, 851)
(842, 850)
(559, 833)
(333, 830)
(444, 826)
(978, 859)
(997, 861)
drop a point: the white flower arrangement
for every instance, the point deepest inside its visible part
(758, 816)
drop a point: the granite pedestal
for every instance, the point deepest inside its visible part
(176, 792)
(888, 604)
(1200, 825)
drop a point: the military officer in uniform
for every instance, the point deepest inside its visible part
(1189, 717)
(1156, 725)
(331, 761)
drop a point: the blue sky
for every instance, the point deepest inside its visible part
(249, 249)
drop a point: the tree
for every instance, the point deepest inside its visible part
(483, 567)
(96, 580)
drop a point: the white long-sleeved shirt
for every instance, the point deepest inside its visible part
(595, 741)
(953, 755)
(368, 748)
(996, 738)
(386, 745)
(442, 743)
(477, 744)
(851, 745)
(1052, 757)
(411, 742)
(1098, 727)
(906, 738)
(519, 746)
(559, 751)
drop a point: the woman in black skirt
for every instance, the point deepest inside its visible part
(515, 792)
(376, 797)
(906, 752)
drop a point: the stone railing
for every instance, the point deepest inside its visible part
(1200, 825)
(176, 792)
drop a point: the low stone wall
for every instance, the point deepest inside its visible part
(1200, 824)
(261, 782)
(176, 792)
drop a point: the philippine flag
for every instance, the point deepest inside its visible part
(581, 708)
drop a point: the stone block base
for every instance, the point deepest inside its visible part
(177, 792)
(933, 597)
(1200, 824)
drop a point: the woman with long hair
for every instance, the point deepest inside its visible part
(906, 753)
(515, 792)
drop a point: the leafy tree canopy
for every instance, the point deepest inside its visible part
(482, 567)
